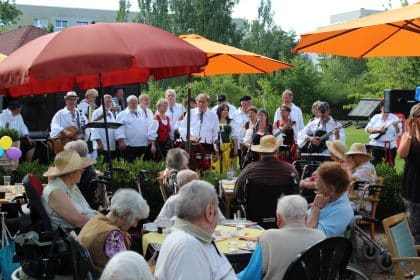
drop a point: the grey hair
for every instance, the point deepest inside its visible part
(316, 104)
(162, 101)
(292, 208)
(193, 199)
(176, 158)
(132, 97)
(128, 199)
(127, 265)
(185, 176)
(92, 92)
(107, 96)
(169, 91)
(142, 96)
(288, 92)
(79, 146)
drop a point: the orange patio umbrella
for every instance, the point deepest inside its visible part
(224, 59)
(391, 33)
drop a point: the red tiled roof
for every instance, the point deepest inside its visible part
(14, 39)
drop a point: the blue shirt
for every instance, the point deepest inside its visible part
(335, 216)
(253, 271)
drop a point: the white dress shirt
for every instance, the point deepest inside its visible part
(315, 125)
(64, 118)
(206, 130)
(99, 133)
(240, 118)
(14, 122)
(174, 113)
(295, 115)
(390, 134)
(136, 129)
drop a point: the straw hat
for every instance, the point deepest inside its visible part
(337, 148)
(268, 144)
(358, 149)
(66, 162)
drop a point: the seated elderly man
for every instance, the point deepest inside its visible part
(277, 248)
(182, 178)
(189, 252)
(106, 235)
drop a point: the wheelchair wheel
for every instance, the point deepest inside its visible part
(355, 272)
(384, 262)
(369, 252)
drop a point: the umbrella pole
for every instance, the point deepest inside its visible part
(188, 142)
(101, 93)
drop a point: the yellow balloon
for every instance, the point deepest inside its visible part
(5, 142)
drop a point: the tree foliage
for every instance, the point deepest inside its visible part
(123, 11)
(9, 14)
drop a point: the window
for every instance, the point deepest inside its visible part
(61, 24)
(40, 23)
(82, 23)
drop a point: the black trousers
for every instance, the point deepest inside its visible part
(378, 154)
(105, 154)
(132, 153)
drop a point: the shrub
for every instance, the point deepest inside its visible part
(9, 132)
(391, 201)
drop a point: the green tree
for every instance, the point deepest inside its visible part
(123, 11)
(155, 12)
(9, 14)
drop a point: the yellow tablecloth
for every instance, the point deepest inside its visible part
(223, 245)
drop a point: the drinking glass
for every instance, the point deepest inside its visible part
(6, 180)
(229, 175)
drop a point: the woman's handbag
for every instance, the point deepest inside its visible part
(7, 250)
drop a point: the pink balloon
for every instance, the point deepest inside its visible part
(13, 153)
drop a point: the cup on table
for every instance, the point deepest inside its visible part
(6, 180)
(229, 175)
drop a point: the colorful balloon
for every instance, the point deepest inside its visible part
(1, 152)
(13, 153)
(5, 142)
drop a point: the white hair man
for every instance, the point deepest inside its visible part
(277, 248)
(136, 131)
(189, 252)
(295, 111)
(98, 134)
(174, 111)
(127, 265)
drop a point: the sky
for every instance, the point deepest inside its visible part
(298, 15)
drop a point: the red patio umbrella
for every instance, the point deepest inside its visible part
(97, 55)
(121, 53)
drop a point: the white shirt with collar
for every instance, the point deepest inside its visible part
(207, 130)
(315, 125)
(64, 118)
(295, 115)
(240, 118)
(174, 113)
(99, 133)
(390, 134)
(7, 119)
(136, 129)
(190, 253)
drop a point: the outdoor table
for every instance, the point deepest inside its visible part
(236, 248)
(10, 194)
(227, 188)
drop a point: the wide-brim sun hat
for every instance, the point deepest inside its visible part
(268, 144)
(71, 94)
(358, 149)
(337, 148)
(67, 162)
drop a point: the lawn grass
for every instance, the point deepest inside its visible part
(356, 135)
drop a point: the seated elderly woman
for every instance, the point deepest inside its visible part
(127, 265)
(176, 160)
(62, 199)
(359, 164)
(106, 235)
(331, 211)
(85, 185)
